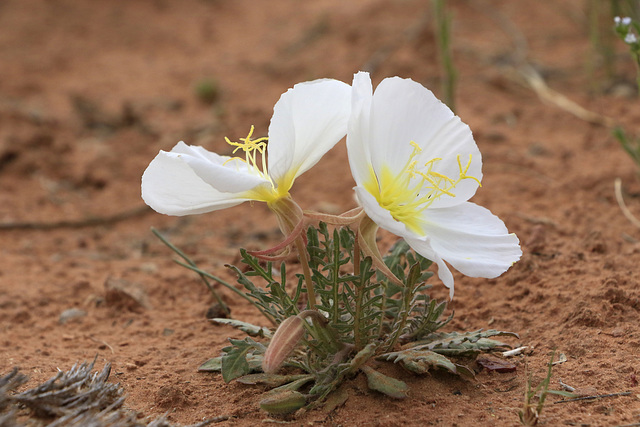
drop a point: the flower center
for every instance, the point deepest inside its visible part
(251, 148)
(255, 159)
(407, 193)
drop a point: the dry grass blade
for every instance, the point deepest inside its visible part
(623, 207)
(71, 392)
(75, 398)
(8, 383)
(535, 81)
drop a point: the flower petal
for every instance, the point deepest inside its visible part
(225, 174)
(423, 247)
(379, 215)
(307, 121)
(170, 186)
(403, 111)
(358, 133)
(472, 239)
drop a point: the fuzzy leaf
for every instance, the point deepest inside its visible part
(384, 384)
(248, 328)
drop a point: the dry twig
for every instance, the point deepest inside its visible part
(623, 207)
(594, 397)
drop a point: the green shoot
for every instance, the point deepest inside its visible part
(443, 38)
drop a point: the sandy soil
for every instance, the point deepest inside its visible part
(90, 91)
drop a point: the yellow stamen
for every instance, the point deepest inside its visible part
(250, 147)
(257, 165)
(408, 192)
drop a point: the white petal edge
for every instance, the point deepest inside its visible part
(223, 173)
(402, 111)
(472, 239)
(171, 187)
(358, 131)
(423, 247)
(308, 120)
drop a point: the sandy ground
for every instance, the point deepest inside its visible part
(90, 91)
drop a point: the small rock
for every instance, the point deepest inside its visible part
(71, 314)
(217, 311)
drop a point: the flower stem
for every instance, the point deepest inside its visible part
(306, 271)
(359, 296)
(228, 286)
(193, 264)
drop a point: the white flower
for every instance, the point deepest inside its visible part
(630, 38)
(307, 121)
(415, 165)
(617, 20)
(626, 21)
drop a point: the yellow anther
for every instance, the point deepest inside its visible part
(250, 146)
(463, 173)
(439, 175)
(247, 143)
(408, 192)
(432, 161)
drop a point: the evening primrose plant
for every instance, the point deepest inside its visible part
(415, 165)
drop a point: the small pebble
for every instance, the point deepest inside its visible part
(71, 314)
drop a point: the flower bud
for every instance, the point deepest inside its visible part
(287, 336)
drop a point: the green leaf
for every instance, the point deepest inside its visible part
(362, 357)
(462, 344)
(234, 363)
(419, 361)
(237, 361)
(384, 384)
(248, 328)
(211, 365)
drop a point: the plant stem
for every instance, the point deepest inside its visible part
(193, 264)
(359, 296)
(408, 293)
(306, 271)
(335, 280)
(228, 286)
